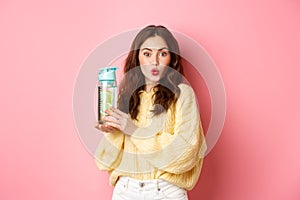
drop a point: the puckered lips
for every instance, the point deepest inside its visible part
(154, 72)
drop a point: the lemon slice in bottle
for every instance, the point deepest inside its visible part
(107, 99)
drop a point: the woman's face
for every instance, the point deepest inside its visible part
(154, 57)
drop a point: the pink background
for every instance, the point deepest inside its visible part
(254, 43)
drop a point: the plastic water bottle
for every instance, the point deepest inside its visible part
(107, 91)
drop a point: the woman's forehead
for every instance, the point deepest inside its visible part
(155, 42)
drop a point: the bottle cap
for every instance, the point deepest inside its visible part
(107, 74)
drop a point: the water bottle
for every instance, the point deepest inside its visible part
(107, 91)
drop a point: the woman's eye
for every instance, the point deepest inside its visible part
(146, 54)
(164, 54)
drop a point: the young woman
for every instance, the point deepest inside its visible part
(154, 144)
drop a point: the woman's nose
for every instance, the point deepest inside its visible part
(154, 60)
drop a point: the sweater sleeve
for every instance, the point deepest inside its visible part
(177, 151)
(109, 151)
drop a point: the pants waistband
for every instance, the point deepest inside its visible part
(142, 184)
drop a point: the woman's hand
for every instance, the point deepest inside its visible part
(105, 128)
(118, 120)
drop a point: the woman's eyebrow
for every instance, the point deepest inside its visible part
(152, 49)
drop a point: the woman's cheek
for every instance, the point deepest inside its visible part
(166, 61)
(143, 62)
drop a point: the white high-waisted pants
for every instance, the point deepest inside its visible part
(132, 189)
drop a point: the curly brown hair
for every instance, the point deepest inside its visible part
(166, 91)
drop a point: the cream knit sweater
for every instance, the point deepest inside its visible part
(170, 146)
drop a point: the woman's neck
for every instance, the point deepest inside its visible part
(149, 86)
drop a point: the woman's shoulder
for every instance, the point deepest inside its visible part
(186, 90)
